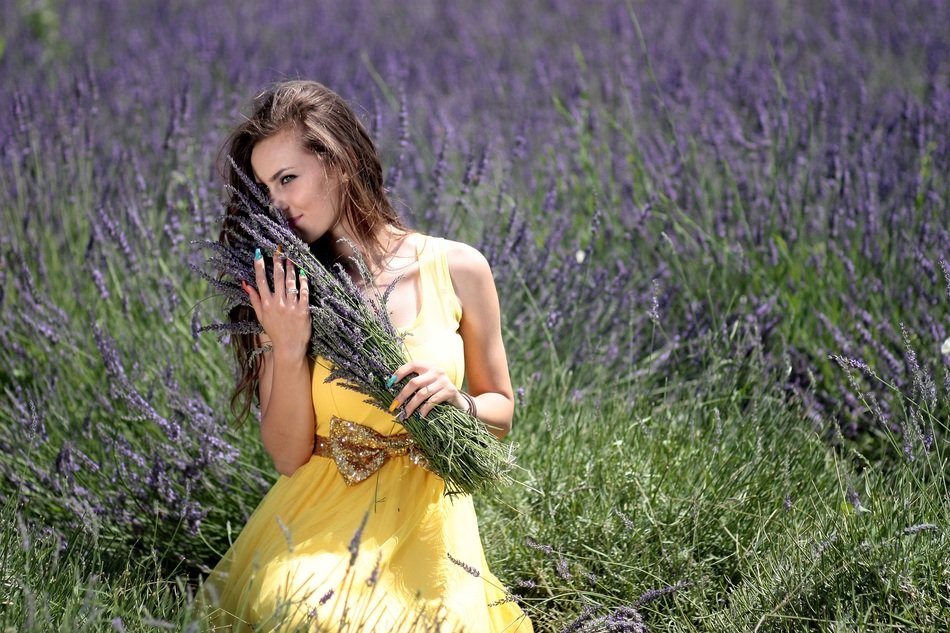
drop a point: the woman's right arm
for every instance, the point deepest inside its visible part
(287, 417)
(287, 421)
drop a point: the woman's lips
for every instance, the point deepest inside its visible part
(293, 221)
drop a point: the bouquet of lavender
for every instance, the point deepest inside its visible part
(353, 332)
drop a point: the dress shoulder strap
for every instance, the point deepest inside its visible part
(434, 265)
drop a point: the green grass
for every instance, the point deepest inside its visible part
(716, 484)
(722, 486)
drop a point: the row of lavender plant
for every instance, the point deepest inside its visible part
(641, 176)
(780, 165)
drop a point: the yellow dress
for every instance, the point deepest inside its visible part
(391, 553)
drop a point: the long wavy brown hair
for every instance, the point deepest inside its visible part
(326, 125)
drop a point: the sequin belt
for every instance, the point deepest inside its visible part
(359, 451)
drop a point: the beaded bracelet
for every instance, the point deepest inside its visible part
(472, 409)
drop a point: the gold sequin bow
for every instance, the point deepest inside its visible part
(359, 451)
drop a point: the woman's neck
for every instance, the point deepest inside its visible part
(340, 244)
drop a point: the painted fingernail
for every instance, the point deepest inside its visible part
(279, 252)
(391, 381)
(303, 274)
(401, 416)
(394, 406)
(257, 254)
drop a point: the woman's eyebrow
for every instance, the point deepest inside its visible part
(278, 173)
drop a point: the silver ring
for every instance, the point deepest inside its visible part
(292, 291)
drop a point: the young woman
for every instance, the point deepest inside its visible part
(390, 552)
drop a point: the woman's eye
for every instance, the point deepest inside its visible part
(285, 179)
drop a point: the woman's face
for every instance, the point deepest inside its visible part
(299, 184)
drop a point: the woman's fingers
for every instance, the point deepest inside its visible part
(425, 398)
(424, 391)
(260, 275)
(402, 371)
(291, 283)
(285, 280)
(281, 313)
(442, 395)
(279, 289)
(254, 297)
(410, 387)
(304, 290)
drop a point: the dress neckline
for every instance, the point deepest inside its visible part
(421, 242)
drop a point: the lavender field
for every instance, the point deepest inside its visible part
(721, 237)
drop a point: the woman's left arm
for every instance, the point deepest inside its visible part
(486, 365)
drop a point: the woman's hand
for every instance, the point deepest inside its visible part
(430, 386)
(284, 313)
(287, 415)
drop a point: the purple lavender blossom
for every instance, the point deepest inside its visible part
(354, 546)
(469, 569)
(655, 594)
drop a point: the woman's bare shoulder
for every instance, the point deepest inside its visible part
(471, 275)
(465, 261)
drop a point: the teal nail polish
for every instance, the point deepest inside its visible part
(391, 381)
(257, 254)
